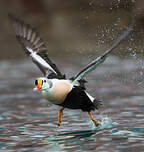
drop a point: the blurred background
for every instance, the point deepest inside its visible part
(77, 27)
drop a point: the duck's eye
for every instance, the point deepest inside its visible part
(36, 82)
(44, 80)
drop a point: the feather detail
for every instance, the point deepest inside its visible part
(34, 46)
(94, 64)
(58, 92)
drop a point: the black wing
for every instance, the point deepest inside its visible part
(34, 46)
(94, 64)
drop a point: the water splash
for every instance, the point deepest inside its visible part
(106, 122)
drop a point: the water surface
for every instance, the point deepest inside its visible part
(29, 123)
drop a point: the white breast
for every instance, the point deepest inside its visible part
(58, 92)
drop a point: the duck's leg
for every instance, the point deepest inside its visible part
(92, 118)
(60, 113)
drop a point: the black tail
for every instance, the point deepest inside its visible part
(97, 103)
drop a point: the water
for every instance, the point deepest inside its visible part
(29, 123)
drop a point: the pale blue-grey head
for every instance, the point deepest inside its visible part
(42, 84)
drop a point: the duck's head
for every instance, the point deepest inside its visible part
(42, 84)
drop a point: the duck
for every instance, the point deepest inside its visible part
(53, 84)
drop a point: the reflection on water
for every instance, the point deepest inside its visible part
(28, 122)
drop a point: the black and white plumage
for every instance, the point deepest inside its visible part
(67, 93)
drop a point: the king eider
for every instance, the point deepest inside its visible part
(54, 86)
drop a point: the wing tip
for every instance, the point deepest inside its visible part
(16, 20)
(10, 16)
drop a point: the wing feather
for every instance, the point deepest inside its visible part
(34, 46)
(94, 64)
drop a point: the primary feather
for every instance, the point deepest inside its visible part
(94, 64)
(34, 46)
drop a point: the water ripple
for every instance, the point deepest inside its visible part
(29, 123)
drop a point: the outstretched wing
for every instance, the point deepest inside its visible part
(34, 46)
(94, 64)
